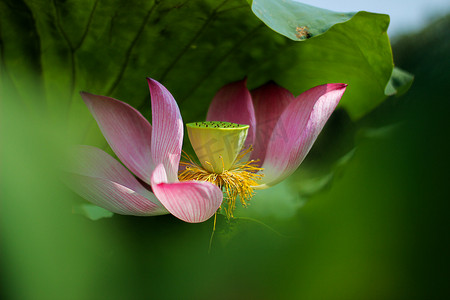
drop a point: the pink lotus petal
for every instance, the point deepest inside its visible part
(190, 201)
(167, 136)
(233, 103)
(99, 178)
(128, 133)
(297, 129)
(269, 102)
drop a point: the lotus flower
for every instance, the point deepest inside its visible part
(282, 129)
(249, 141)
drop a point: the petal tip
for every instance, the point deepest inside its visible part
(155, 86)
(86, 97)
(152, 82)
(242, 83)
(84, 94)
(338, 86)
(90, 98)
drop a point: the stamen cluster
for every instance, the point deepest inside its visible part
(236, 181)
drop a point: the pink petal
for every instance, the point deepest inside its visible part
(269, 101)
(167, 137)
(126, 130)
(297, 129)
(233, 103)
(99, 178)
(190, 201)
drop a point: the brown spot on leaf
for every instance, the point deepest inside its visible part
(302, 32)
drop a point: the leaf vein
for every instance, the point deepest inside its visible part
(188, 45)
(130, 50)
(221, 60)
(91, 16)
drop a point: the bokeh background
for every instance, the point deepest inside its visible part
(365, 217)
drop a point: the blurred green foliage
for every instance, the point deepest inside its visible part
(377, 231)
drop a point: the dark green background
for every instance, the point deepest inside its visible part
(374, 228)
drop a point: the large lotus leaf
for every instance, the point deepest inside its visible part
(51, 50)
(356, 52)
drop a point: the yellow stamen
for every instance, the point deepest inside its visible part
(234, 182)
